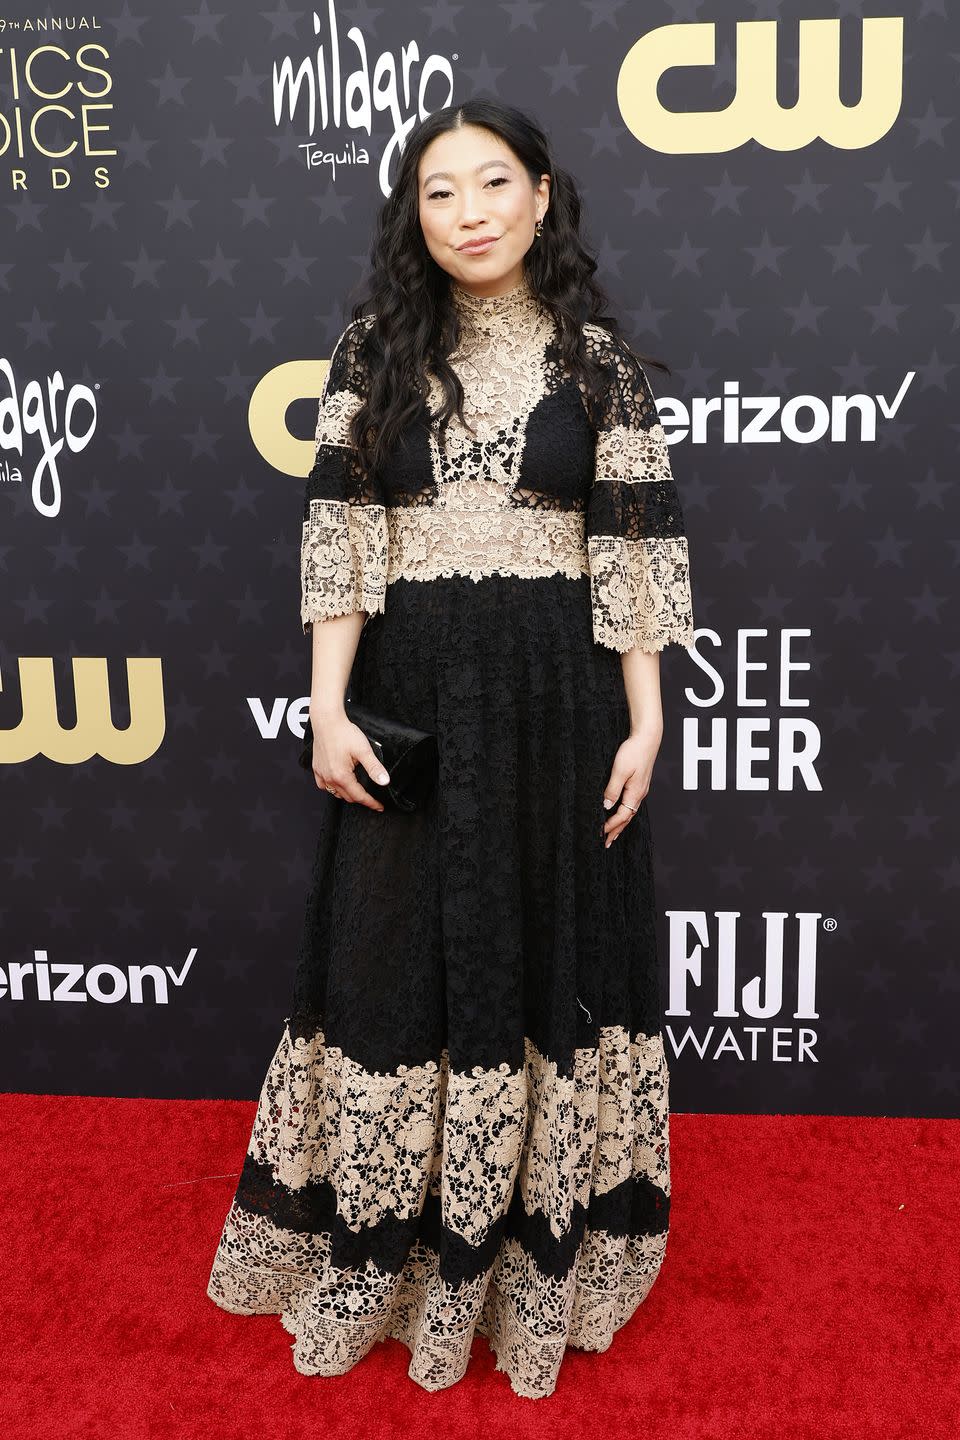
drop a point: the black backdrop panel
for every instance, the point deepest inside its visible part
(773, 200)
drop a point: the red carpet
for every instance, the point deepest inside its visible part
(810, 1290)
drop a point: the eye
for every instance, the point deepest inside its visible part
(501, 179)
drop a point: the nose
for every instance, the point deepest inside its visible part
(472, 211)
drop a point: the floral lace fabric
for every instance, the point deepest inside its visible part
(535, 491)
(338, 1151)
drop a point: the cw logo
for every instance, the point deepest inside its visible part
(753, 113)
(40, 732)
(266, 413)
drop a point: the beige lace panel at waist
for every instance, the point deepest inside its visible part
(431, 541)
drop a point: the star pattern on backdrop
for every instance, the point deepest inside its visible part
(212, 257)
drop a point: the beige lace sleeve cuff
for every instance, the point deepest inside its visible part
(639, 562)
(343, 553)
(343, 560)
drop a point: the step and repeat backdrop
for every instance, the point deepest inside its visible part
(187, 204)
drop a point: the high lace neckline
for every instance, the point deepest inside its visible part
(492, 314)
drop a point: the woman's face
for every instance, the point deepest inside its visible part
(471, 185)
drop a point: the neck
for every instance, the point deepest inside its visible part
(513, 309)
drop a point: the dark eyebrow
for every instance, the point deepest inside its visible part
(445, 174)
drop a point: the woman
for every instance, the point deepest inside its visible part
(464, 1128)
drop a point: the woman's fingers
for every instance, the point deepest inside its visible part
(335, 765)
(627, 787)
(621, 816)
(619, 775)
(366, 756)
(626, 790)
(344, 779)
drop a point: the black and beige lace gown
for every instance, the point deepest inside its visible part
(464, 1127)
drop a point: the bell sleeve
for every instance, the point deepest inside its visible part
(344, 551)
(638, 560)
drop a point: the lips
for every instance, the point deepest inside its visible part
(476, 247)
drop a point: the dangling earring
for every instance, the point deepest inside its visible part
(538, 229)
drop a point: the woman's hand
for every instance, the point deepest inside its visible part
(630, 778)
(339, 745)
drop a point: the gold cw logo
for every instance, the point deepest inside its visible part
(40, 732)
(266, 413)
(754, 113)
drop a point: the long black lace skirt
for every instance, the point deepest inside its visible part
(464, 1127)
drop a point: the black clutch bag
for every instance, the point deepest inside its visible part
(409, 756)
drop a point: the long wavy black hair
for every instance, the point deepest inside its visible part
(414, 324)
